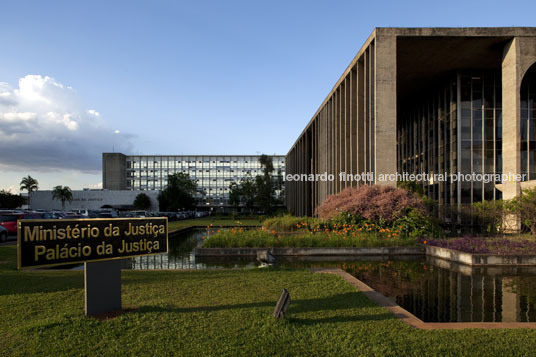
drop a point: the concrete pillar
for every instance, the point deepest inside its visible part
(511, 83)
(353, 124)
(360, 117)
(385, 106)
(519, 55)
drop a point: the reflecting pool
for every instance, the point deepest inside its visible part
(434, 290)
(454, 294)
(181, 255)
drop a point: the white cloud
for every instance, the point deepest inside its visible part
(96, 187)
(94, 112)
(44, 126)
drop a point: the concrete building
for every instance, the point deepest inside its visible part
(425, 100)
(212, 174)
(92, 200)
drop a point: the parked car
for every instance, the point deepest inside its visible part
(9, 220)
(3, 234)
(83, 213)
(139, 214)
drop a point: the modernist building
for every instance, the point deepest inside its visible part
(426, 100)
(92, 200)
(213, 174)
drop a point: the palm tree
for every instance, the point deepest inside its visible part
(29, 184)
(62, 193)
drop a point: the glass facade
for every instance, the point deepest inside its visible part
(212, 174)
(458, 129)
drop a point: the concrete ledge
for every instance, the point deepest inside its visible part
(469, 270)
(479, 259)
(378, 251)
(407, 316)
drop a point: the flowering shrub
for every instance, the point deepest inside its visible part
(372, 203)
(478, 245)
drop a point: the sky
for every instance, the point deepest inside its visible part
(78, 78)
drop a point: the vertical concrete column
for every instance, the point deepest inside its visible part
(301, 160)
(385, 105)
(328, 145)
(353, 125)
(348, 129)
(337, 140)
(332, 143)
(519, 55)
(342, 131)
(314, 161)
(366, 115)
(321, 151)
(360, 117)
(511, 122)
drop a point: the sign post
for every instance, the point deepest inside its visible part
(102, 285)
(98, 243)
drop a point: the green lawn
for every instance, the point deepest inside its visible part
(221, 313)
(216, 222)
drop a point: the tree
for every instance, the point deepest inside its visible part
(9, 200)
(29, 184)
(249, 192)
(62, 193)
(265, 193)
(491, 215)
(243, 193)
(267, 164)
(179, 193)
(258, 192)
(142, 202)
(265, 187)
(524, 206)
(235, 194)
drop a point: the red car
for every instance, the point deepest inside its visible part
(9, 220)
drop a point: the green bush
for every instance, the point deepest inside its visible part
(288, 223)
(345, 218)
(524, 206)
(490, 215)
(357, 237)
(416, 225)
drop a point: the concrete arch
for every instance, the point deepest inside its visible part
(529, 71)
(519, 57)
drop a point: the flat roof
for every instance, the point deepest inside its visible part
(487, 38)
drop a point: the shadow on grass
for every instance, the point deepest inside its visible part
(39, 282)
(353, 300)
(343, 318)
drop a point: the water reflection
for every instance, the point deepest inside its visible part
(432, 289)
(181, 255)
(436, 294)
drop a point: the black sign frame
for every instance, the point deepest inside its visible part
(89, 221)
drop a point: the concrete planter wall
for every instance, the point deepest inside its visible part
(211, 252)
(479, 259)
(445, 254)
